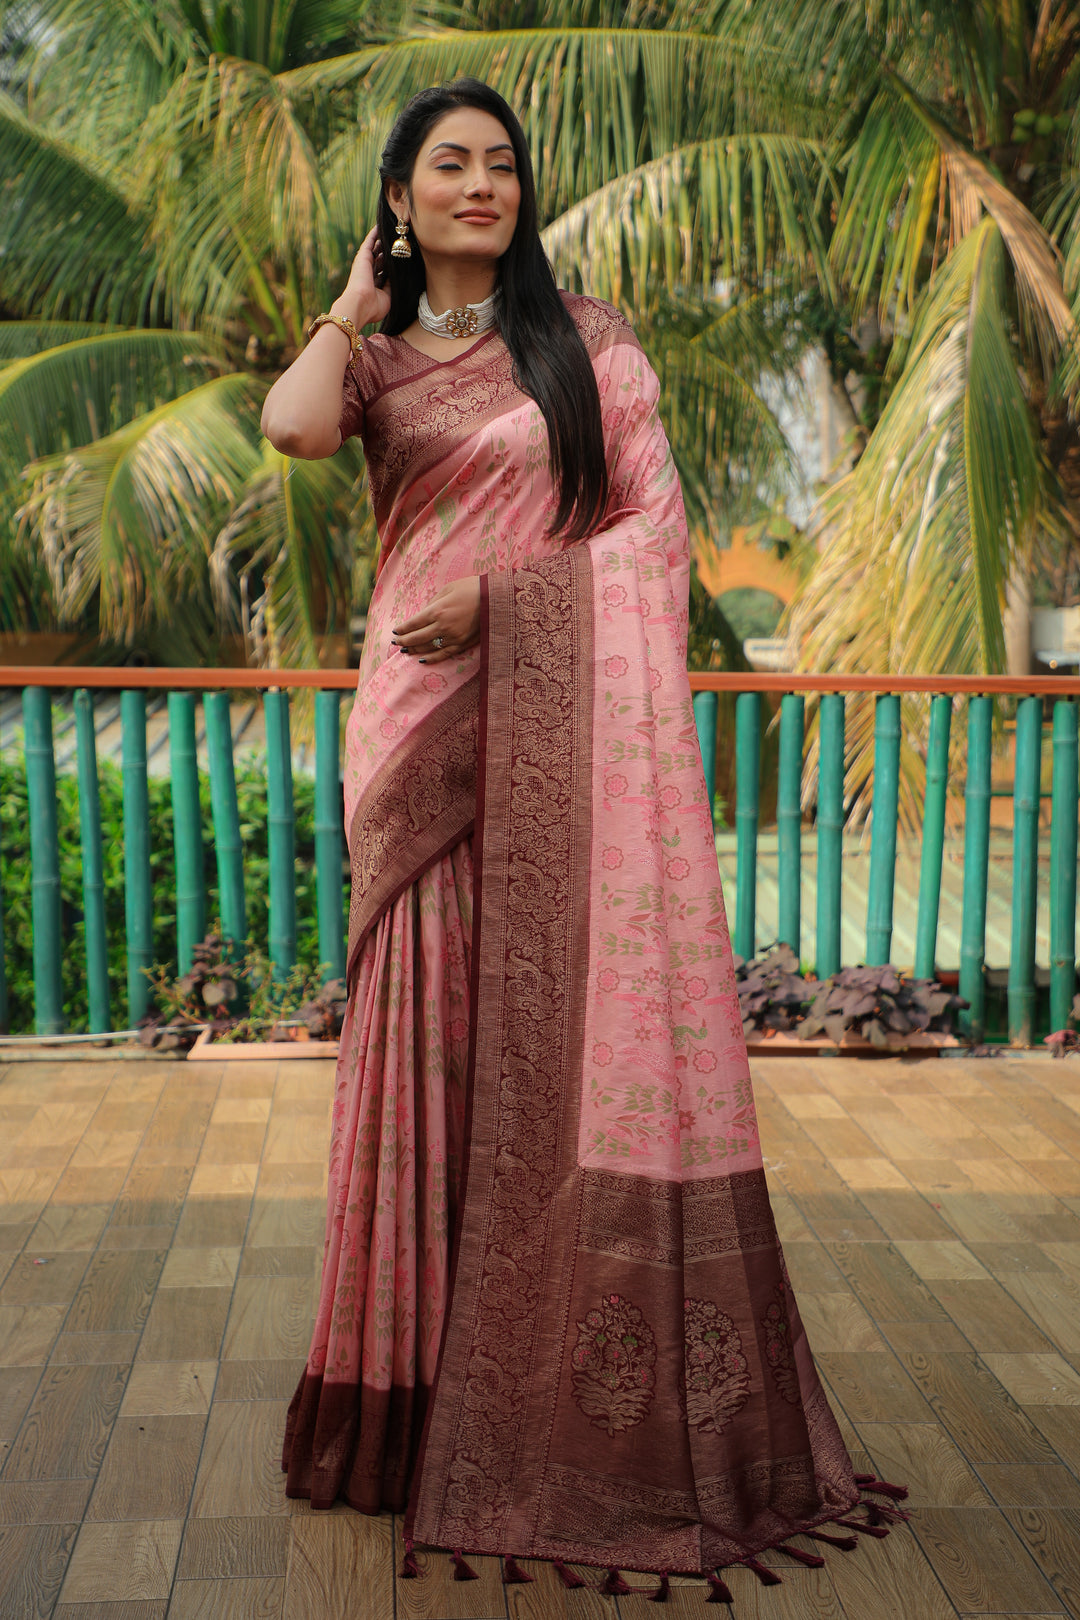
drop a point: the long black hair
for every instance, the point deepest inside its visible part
(551, 363)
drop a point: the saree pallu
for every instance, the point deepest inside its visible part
(608, 1353)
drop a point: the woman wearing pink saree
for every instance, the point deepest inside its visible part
(554, 1318)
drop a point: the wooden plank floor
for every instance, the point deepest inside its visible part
(160, 1227)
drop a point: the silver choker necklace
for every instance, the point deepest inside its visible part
(468, 321)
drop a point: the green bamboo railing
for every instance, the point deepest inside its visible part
(1063, 838)
(97, 950)
(933, 844)
(184, 685)
(187, 827)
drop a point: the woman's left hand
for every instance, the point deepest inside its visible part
(447, 627)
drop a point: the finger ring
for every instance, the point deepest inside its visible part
(436, 642)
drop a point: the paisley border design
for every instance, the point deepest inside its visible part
(416, 807)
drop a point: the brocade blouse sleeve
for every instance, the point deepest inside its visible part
(351, 419)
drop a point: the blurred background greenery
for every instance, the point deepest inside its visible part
(808, 209)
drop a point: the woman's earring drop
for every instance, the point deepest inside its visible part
(402, 248)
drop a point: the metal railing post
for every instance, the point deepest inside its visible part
(747, 805)
(1025, 870)
(329, 832)
(980, 722)
(93, 877)
(933, 837)
(230, 861)
(1063, 813)
(789, 819)
(281, 834)
(830, 833)
(187, 828)
(44, 861)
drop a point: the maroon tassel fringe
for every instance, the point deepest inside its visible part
(878, 1530)
(614, 1585)
(462, 1571)
(811, 1560)
(881, 1487)
(719, 1591)
(845, 1543)
(512, 1571)
(882, 1513)
(767, 1577)
(566, 1574)
(663, 1591)
(410, 1569)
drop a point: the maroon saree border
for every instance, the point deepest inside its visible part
(544, 687)
(417, 806)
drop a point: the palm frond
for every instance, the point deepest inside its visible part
(99, 68)
(734, 208)
(918, 539)
(241, 185)
(594, 102)
(289, 550)
(727, 442)
(67, 384)
(973, 187)
(891, 186)
(72, 244)
(130, 521)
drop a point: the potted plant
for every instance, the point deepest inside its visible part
(227, 1006)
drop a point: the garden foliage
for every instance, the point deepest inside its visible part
(15, 877)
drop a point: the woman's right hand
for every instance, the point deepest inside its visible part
(364, 292)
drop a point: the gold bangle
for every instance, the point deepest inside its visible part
(343, 324)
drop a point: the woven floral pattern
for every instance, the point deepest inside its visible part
(717, 1372)
(779, 1351)
(614, 1364)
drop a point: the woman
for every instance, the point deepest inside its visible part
(554, 1317)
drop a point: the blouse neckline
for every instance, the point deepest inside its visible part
(453, 359)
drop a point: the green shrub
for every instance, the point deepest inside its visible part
(15, 879)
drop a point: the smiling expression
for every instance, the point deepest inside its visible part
(463, 200)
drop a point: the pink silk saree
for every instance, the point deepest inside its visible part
(555, 1317)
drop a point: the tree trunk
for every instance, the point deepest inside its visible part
(1018, 618)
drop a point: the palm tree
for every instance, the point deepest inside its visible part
(895, 186)
(185, 196)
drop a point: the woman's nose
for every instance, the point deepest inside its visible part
(479, 184)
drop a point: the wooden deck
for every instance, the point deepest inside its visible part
(160, 1233)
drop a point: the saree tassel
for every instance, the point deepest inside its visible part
(811, 1560)
(512, 1571)
(614, 1585)
(663, 1591)
(719, 1591)
(462, 1570)
(566, 1574)
(879, 1530)
(881, 1487)
(845, 1543)
(767, 1576)
(879, 1513)
(410, 1569)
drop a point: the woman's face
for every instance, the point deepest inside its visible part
(465, 193)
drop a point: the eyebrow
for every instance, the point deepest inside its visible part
(453, 147)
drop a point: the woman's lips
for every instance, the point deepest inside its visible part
(477, 216)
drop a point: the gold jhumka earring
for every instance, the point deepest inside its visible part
(402, 248)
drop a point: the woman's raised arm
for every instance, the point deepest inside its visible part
(301, 412)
